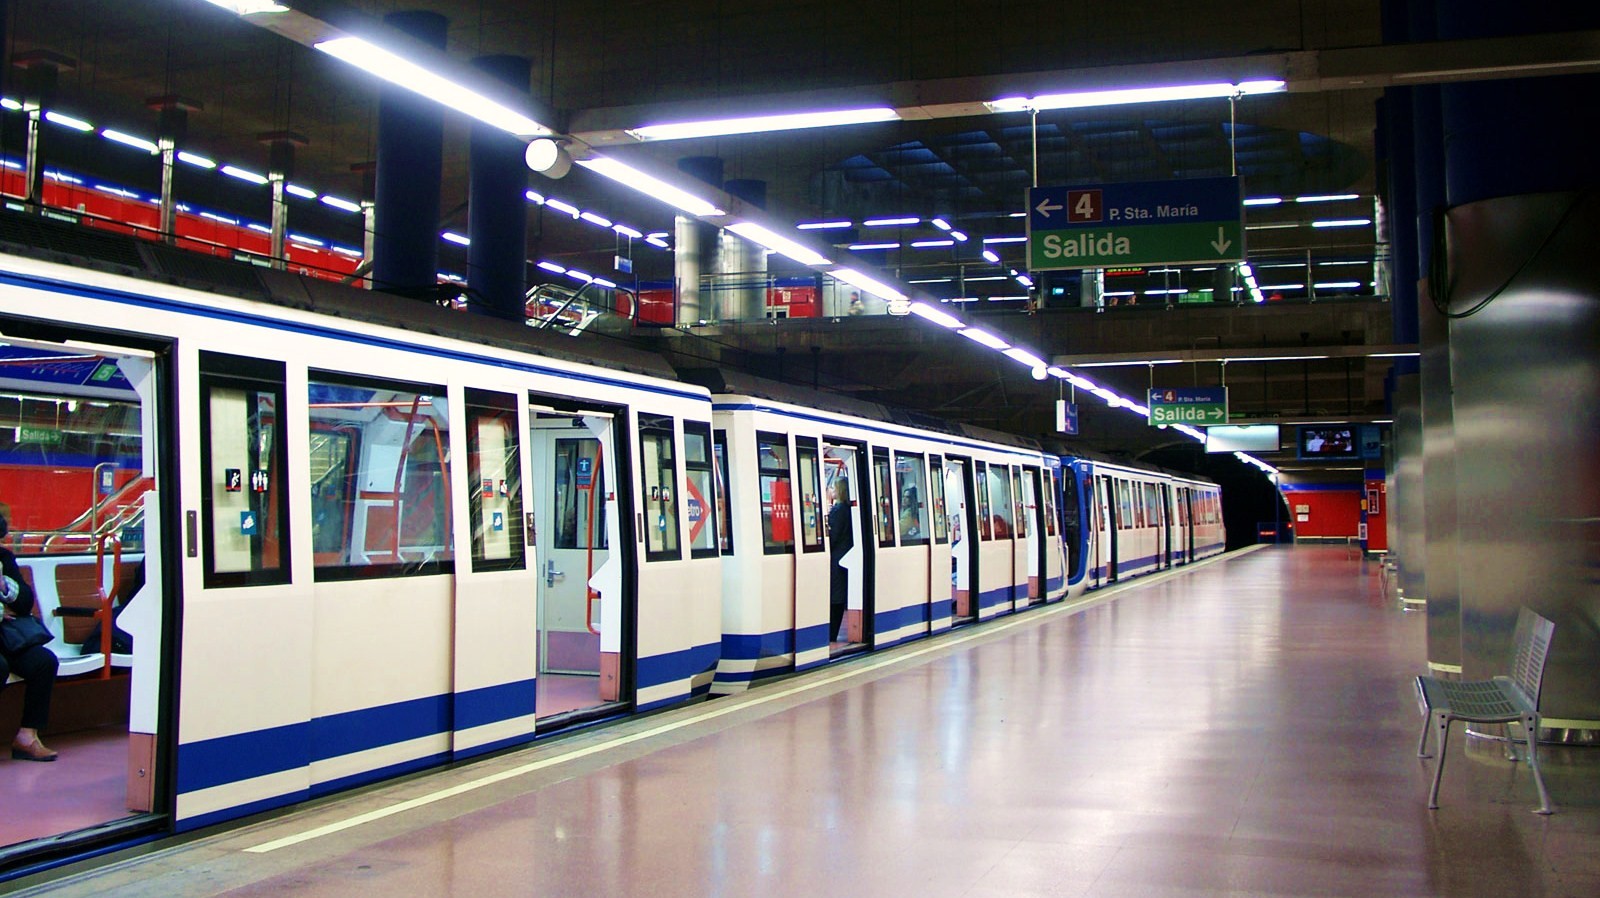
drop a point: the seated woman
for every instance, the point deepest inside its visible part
(36, 666)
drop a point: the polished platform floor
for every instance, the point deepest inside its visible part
(1243, 728)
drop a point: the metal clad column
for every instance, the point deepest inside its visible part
(745, 262)
(405, 250)
(497, 208)
(693, 241)
(1525, 355)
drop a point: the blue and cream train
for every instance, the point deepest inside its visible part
(342, 536)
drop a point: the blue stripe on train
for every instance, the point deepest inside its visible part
(657, 670)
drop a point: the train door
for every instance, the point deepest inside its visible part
(844, 474)
(84, 449)
(1029, 509)
(1117, 514)
(811, 571)
(963, 541)
(580, 602)
(940, 586)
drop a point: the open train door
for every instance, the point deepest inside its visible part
(581, 611)
(845, 475)
(87, 425)
(963, 542)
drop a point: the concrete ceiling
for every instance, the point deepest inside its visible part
(630, 60)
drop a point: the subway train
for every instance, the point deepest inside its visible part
(242, 506)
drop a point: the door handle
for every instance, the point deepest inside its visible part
(550, 572)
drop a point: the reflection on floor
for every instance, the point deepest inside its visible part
(86, 785)
(560, 693)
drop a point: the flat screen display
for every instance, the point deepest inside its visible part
(1242, 438)
(1328, 441)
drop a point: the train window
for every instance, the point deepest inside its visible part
(911, 484)
(580, 489)
(660, 483)
(811, 510)
(388, 497)
(1124, 505)
(1050, 486)
(494, 481)
(999, 489)
(724, 519)
(941, 515)
(985, 524)
(884, 496)
(701, 486)
(242, 463)
(777, 499)
(1152, 505)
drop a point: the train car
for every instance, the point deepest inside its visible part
(849, 531)
(1125, 520)
(263, 501)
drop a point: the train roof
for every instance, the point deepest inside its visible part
(39, 238)
(1103, 459)
(735, 383)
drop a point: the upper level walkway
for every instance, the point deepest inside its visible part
(1160, 740)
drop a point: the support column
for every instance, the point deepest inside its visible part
(280, 168)
(695, 248)
(1524, 351)
(410, 167)
(497, 210)
(41, 72)
(745, 263)
(172, 128)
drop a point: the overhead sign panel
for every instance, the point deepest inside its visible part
(1204, 406)
(1196, 220)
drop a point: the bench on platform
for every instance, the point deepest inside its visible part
(1503, 700)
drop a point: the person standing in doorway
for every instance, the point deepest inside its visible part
(840, 542)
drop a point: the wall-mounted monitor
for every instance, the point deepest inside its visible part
(1328, 441)
(1243, 438)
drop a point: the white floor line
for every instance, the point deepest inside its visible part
(735, 704)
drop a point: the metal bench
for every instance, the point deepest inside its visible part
(1503, 700)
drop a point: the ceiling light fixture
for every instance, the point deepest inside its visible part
(992, 256)
(1263, 200)
(936, 315)
(978, 335)
(651, 186)
(889, 222)
(67, 121)
(1123, 96)
(1327, 198)
(138, 143)
(249, 7)
(876, 288)
(930, 244)
(244, 174)
(455, 238)
(301, 192)
(195, 160)
(552, 267)
(339, 203)
(626, 231)
(823, 225)
(567, 208)
(1342, 223)
(762, 123)
(1025, 357)
(869, 246)
(600, 220)
(941, 224)
(778, 243)
(395, 69)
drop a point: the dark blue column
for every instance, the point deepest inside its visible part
(1397, 162)
(410, 162)
(1523, 135)
(497, 208)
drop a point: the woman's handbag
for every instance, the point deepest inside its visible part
(18, 634)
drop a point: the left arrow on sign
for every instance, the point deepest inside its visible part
(1045, 207)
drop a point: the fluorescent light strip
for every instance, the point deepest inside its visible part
(941, 224)
(1025, 357)
(988, 240)
(626, 231)
(762, 123)
(1089, 98)
(868, 246)
(651, 186)
(778, 243)
(961, 236)
(244, 174)
(605, 283)
(552, 267)
(600, 220)
(195, 160)
(1024, 280)
(930, 244)
(889, 222)
(987, 277)
(138, 143)
(577, 275)
(304, 193)
(823, 225)
(1263, 200)
(656, 241)
(1327, 198)
(567, 208)
(67, 121)
(8, 103)
(1338, 285)
(344, 204)
(992, 256)
(936, 315)
(455, 238)
(983, 337)
(398, 70)
(1342, 223)
(934, 281)
(309, 241)
(876, 288)
(249, 7)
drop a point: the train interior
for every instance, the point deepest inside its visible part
(578, 667)
(77, 462)
(843, 467)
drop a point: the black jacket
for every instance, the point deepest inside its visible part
(24, 603)
(840, 539)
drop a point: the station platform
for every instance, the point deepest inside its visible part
(1243, 727)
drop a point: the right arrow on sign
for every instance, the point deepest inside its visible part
(1045, 207)
(1221, 244)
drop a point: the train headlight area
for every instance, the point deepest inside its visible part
(207, 490)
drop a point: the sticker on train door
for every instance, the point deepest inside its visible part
(697, 510)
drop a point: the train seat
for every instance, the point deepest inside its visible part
(68, 614)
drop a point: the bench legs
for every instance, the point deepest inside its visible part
(1440, 721)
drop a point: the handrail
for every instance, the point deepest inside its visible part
(593, 595)
(103, 613)
(400, 471)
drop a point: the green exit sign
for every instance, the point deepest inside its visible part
(39, 436)
(1202, 406)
